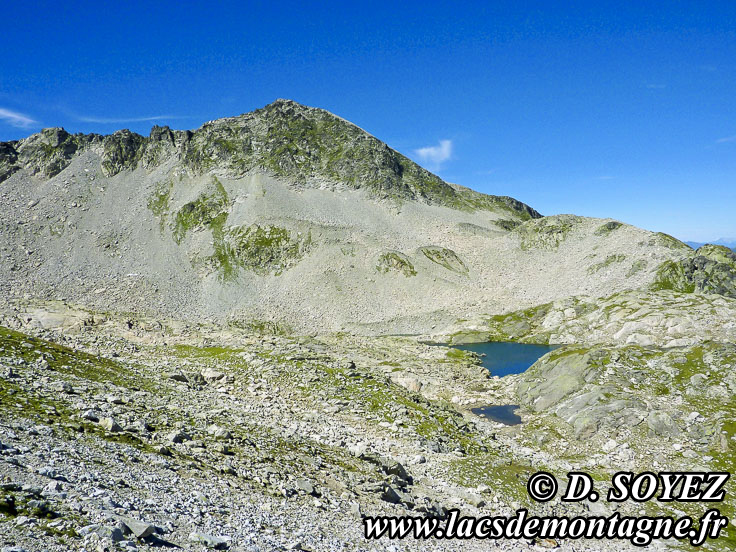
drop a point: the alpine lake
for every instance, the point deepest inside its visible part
(502, 359)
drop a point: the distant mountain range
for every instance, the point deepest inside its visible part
(728, 242)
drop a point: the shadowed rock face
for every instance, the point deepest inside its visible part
(712, 269)
(122, 150)
(8, 158)
(46, 154)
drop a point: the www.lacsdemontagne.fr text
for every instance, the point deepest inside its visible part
(640, 531)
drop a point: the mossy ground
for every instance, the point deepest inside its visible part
(61, 359)
(546, 233)
(671, 276)
(393, 261)
(636, 267)
(373, 398)
(47, 406)
(671, 242)
(209, 210)
(515, 326)
(506, 224)
(53, 409)
(610, 260)
(158, 203)
(608, 227)
(446, 258)
(261, 249)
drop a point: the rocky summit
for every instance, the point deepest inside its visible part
(220, 339)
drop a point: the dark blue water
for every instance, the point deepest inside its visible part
(503, 413)
(504, 358)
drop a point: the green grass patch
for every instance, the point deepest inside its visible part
(393, 261)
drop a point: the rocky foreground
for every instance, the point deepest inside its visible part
(126, 433)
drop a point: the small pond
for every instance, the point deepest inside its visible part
(504, 358)
(502, 413)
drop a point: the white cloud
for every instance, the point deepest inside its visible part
(16, 119)
(726, 139)
(436, 155)
(102, 120)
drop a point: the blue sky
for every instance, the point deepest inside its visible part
(597, 109)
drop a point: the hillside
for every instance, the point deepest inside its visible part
(293, 217)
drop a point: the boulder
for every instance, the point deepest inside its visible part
(211, 375)
(139, 529)
(109, 424)
(662, 424)
(210, 541)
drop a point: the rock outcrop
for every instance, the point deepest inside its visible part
(711, 269)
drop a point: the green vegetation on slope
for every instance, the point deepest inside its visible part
(446, 258)
(395, 261)
(547, 232)
(158, 203)
(608, 227)
(209, 210)
(261, 249)
(611, 259)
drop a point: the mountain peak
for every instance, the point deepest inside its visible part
(304, 145)
(278, 102)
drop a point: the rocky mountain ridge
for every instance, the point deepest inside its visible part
(292, 216)
(304, 144)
